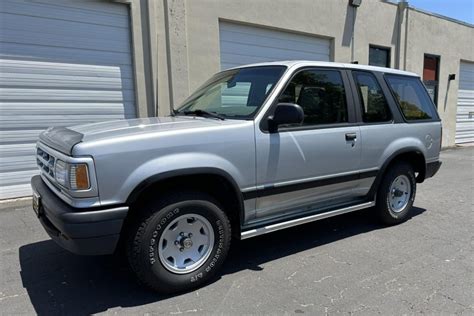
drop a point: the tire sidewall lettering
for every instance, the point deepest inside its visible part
(152, 250)
(211, 263)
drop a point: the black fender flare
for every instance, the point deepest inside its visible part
(148, 182)
(391, 158)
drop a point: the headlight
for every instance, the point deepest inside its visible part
(72, 176)
(60, 173)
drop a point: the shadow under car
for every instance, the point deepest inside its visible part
(59, 282)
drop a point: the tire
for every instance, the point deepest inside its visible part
(169, 262)
(396, 194)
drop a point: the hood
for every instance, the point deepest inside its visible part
(63, 139)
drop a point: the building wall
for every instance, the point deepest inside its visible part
(451, 41)
(141, 52)
(185, 51)
(330, 19)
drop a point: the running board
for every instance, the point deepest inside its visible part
(303, 220)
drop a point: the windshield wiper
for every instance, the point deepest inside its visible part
(204, 114)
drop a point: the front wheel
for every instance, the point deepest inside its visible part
(179, 243)
(396, 194)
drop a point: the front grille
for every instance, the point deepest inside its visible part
(45, 162)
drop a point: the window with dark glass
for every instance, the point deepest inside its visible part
(412, 97)
(374, 105)
(321, 94)
(430, 76)
(379, 56)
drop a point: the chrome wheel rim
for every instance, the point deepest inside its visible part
(399, 194)
(186, 243)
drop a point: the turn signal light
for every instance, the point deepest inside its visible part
(79, 177)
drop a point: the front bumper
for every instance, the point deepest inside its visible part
(81, 231)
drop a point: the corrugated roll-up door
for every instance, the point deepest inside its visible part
(243, 44)
(465, 109)
(62, 62)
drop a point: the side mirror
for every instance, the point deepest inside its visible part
(285, 113)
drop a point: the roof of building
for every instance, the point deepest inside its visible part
(437, 15)
(308, 63)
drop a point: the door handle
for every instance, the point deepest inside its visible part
(351, 136)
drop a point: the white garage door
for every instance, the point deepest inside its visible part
(62, 62)
(242, 44)
(465, 110)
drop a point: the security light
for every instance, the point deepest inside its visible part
(355, 3)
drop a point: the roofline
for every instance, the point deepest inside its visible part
(314, 63)
(437, 15)
(447, 18)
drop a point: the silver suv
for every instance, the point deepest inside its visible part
(255, 149)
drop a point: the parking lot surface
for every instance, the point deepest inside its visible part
(344, 265)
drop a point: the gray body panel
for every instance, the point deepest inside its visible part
(137, 151)
(128, 152)
(296, 157)
(379, 142)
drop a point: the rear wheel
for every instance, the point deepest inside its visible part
(179, 243)
(396, 194)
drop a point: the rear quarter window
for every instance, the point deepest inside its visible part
(412, 98)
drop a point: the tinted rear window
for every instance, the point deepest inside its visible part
(374, 105)
(412, 97)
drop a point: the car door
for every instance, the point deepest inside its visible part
(379, 121)
(313, 165)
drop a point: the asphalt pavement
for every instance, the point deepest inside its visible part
(344, 265)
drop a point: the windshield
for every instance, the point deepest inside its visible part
(236, 93)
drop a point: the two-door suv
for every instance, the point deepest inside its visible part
(255, 149)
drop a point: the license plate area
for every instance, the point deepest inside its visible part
(37, 205)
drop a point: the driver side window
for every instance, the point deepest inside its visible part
(321, 95)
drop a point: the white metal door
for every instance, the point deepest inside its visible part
(465, 108)
(243, 44)
(62, 62)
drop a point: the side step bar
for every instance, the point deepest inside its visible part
(303, 220)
